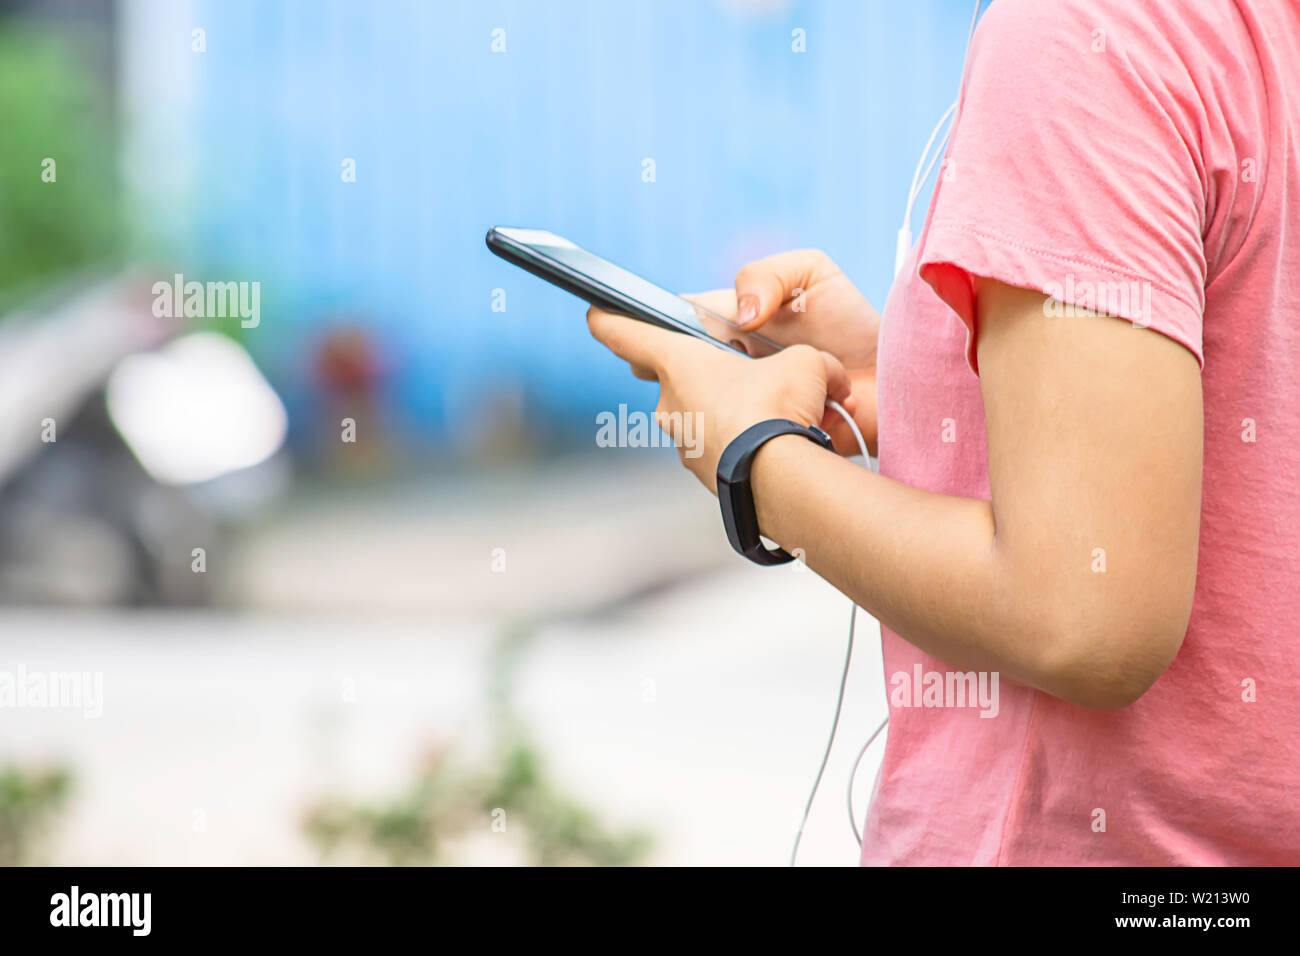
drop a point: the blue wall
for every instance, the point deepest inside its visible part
(757, 149)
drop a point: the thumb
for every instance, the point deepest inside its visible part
(765, 285)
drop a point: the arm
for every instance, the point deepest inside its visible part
(1094, 435)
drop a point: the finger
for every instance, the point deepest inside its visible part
(762, 287)
(717, 314)
(839, 388)
(643, 345)
(721, 301)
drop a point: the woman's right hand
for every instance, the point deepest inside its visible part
(802, 296)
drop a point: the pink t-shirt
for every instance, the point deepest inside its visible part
(1141, 159)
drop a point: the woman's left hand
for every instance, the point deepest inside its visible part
(708, 396)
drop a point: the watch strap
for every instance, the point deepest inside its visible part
(735, 495)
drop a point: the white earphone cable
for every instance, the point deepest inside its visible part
(848, 658)
(902, 248)
(853, 775)
(919, 179)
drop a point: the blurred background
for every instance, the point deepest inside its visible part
(330, 567)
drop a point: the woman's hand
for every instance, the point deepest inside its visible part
(708, 396)
(802, 297)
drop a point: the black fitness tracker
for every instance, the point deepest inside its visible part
(736, 497)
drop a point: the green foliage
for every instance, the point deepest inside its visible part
(447, 802)
(559, 830)
(29, 800)
(52, 110)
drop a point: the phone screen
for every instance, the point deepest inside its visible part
(595, 278)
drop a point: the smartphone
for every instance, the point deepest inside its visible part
(606, 286)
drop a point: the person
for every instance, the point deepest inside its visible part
(1086, 390)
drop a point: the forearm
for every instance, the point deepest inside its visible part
(928, 566)
(1077, 578)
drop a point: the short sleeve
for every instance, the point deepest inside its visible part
(1073, 169)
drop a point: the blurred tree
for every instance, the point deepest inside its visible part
(59, 199)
